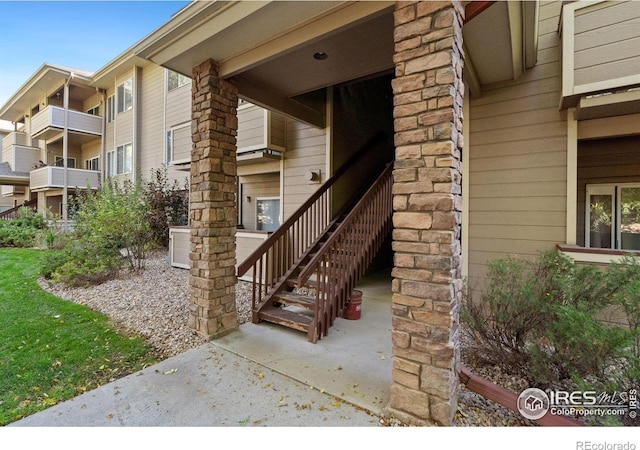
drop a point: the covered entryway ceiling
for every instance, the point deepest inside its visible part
(267, 48)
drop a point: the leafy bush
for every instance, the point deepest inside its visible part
(539, 319)
(168, 205)
(118, 223)
(22, 231)
(114, 219)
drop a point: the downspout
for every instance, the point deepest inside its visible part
(103, 138)
(65, 153)
(134, 158)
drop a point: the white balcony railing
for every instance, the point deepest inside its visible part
(15, 151)
(51, 177)
(14, 138)
(52, 118)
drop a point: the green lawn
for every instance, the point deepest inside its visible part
(52, 349)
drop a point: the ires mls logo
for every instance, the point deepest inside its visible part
(534, 403)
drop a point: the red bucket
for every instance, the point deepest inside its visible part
(353, 309)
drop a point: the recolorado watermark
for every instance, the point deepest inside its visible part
(590, 445)
(534, 403)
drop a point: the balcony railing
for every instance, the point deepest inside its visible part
(18, 154)
(600, 49)
(51, 177)
(51, 120)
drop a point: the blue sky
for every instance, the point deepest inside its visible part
(80, 34)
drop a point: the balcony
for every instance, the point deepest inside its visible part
(20, 157)
(261, 135)
(600, 54)
(50, 122)
(51, 177)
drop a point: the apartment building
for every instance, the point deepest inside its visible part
(133, 116)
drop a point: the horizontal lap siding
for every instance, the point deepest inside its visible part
(517, 160)
(151, 120)
(306, 150)
(607, 42)
(251, 127)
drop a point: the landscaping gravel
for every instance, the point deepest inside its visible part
(155, 303)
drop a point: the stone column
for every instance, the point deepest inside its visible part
(427, 196)
(212, 202)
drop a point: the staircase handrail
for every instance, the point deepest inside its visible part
(9, 214)
(342, 259)
(282, 229)
(309, 269)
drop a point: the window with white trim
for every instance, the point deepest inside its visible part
(95, 111)
(92, 163)
(613, 216)
(111, 108)
(59, 162)
(176, 80)
(124, 94)
(267, 213)
(179, 144)
(120, 160)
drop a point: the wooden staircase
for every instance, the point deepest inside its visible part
(14, 212)
(304, 272)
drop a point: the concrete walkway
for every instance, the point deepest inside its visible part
(260, 375)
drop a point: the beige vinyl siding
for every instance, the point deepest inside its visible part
(109, 136)
(178, 105)
(254, 186)
(251, 127)
(306, 150)
(92, 102)
(90, 151)
(124, 128)
(151, 119)
(278, 136)
(517, 160)
(123, 124)
(260, 129)
(607, 42)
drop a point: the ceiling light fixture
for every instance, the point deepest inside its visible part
(320, 56)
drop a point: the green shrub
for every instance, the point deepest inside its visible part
(114, 219)
(168, 205)
(23, 231)
(539, 319)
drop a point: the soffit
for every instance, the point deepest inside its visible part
(45, 82)
(267, 48)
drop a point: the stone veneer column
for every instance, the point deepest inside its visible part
(212, 202)
(428, 95)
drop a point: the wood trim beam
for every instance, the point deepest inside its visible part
(474, 8)
(268, 99)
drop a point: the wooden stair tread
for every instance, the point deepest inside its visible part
(294, 299)
(287, 318)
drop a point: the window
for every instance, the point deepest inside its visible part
(95, 111)
(59, 162)
(111, 108)
(124, 94)
(175, 80)
(92, 164)
(120, 160)
(179, 144)
(267, 213)
(613, 216)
